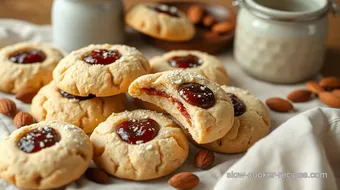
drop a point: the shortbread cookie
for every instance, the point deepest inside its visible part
(101, 70)
(148, 106)
(45, 155)
(52, 103)
(139, 145)
(252, 122)
(200, 106)
(27, 65)
(160, 21)
(192, 61)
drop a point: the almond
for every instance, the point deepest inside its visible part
(7, 107)
(195, 13)
(300, 96)
(279, 105)
(330, 82)
(208, 20)
(204, 159)
(97, 175)
(336, 92)
(222, 27)
(22, 119)
(330, 99)
(184, 180)
(314, 87)
(26, 95)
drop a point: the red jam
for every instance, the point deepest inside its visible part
(102, 57)
(189, 61)
(27, 56)
(37, 139)
(239, 106)
(80, 98)
(197, 95)
(138, 131)
(179, 105)
(170, 11)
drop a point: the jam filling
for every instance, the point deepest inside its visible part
(80, 98)
(138, 131)
(189, 61)
(37, 139)
(168, 10)
(179, 105)
(27, 56)
(239, 106)
(197, 95)
(101, 57)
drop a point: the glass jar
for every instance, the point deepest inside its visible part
(281, 41)
(78, 23)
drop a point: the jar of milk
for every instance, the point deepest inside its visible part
(78, 23)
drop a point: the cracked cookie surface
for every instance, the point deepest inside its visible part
(160, 21)
(208, 65)
(49, 104)
(52, 166)
(15, 77)
(76, 75)
(155, 158)
(248, 128)
(204, 124)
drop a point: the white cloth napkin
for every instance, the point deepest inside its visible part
(274, 156)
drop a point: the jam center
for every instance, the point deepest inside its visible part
(138, 131)
(197, 95)
(101, 57)
(189, 61)
(80, 98)
(37, 139)
(239, 106)
(168, 10)
(27, 56)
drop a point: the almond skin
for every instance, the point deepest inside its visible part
(300, 96)
(7, 107)
(22, 119)
(330, 82)
(97, 175)
(314, 87)
(330, 99)
(208, 20)
(26, 95)
(204, 159)
(336, 92)
(195, 13)
(222, 27)
(184, 180)
(279, 105)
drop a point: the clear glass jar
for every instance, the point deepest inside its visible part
(78, 23)
(281, 41)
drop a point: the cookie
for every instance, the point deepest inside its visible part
(148, 106)
(27, 65)
(101, 70)
(192, 61)
(252, 122)
(160, 21)
(52, 103)
(45, 155)
(200, 106)
(139, 145)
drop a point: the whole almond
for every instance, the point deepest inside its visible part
(7, 107)
(204, 159)
(184, 180)
(279, 105)
(300, 96)
(336, 92)
(330, 82)
(97, 175)
(314, 87)
(26, 95)
(330, 99)
(222, 27)
(195, 13)
(22, 119)
(208, 20)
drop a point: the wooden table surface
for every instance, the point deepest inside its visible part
(38, 11)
